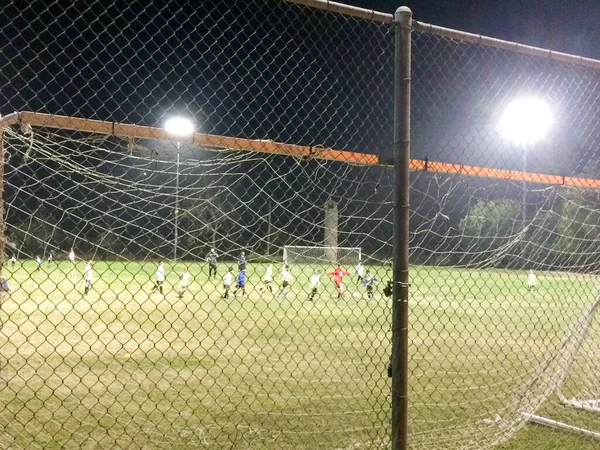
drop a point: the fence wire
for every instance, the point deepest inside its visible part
(120, 328)
(164, 291)
(504, 267)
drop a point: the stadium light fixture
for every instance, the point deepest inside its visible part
(526, 121)
(179, 126)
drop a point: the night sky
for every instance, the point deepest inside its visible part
(561, 25)
(274, 71)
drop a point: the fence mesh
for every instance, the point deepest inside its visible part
(120, 328)
(115, 349)
(504, 270)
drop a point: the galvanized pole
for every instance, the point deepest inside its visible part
(524, 205)
(175, 241)
(270, 206)
(523, 263)
(403, 24)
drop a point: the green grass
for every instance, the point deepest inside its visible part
(123, 368)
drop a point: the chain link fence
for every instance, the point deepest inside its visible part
(504, 233)
(228, 287)
(138, 343)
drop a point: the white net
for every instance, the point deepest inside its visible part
(526, 350)
(517, 303)
(157, 356)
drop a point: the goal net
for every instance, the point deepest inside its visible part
(349, 256)
(504, 235)
(126, 204)
(536, 289)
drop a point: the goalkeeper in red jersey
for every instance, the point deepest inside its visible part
(338, 274)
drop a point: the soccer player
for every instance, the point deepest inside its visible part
(13, 260)
(241, 283)
(286, 279)
(360, 272)
(38, 260)
(531, 281)
(160, 277)
(88, 277)
(242, 262)
(338, 275)
(369, 282)
(388, 290)
(72, 256)
(227, 282)
(211, 258)
(315, 281)
(50, 257)
(267, 279)
(184, 282)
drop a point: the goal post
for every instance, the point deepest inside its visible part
(298, 254)
(570, 370)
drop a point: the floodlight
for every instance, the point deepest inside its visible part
(179, 127)
(526, 120)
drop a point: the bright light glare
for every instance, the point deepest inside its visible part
(526, 120)
(179, 126)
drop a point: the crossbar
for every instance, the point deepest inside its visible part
(129, 131)
(560, 425)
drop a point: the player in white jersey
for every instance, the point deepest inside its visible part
(227, 282)
(72, 256)
(286, 280)
(369, 281)
(13, 260)
(184, 283)
(267, 280)
(531, 281)
(160, 277)
(38, 260)
(88, 277)
(315, 282)
(360, 272)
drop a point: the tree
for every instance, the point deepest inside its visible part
(36, 234)
(576, 229)
(488, 228)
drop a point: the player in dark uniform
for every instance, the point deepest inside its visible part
(211, 258)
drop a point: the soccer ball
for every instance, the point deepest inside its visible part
(355, 295)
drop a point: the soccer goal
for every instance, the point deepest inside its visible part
(298, 254)
(571, 373)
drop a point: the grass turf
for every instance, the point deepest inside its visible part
(126, 368)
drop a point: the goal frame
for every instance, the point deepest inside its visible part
(592, 405)
(323, 247)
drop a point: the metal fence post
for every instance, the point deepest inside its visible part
(403, 23)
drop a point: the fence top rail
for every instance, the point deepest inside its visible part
(376, 16)
(346, 10)
(506, 45)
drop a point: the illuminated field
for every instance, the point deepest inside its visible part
(124, 368)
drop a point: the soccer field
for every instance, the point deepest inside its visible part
(126, 368)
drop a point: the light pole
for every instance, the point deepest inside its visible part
(526, 121)
(176, 239)
(178, 127)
